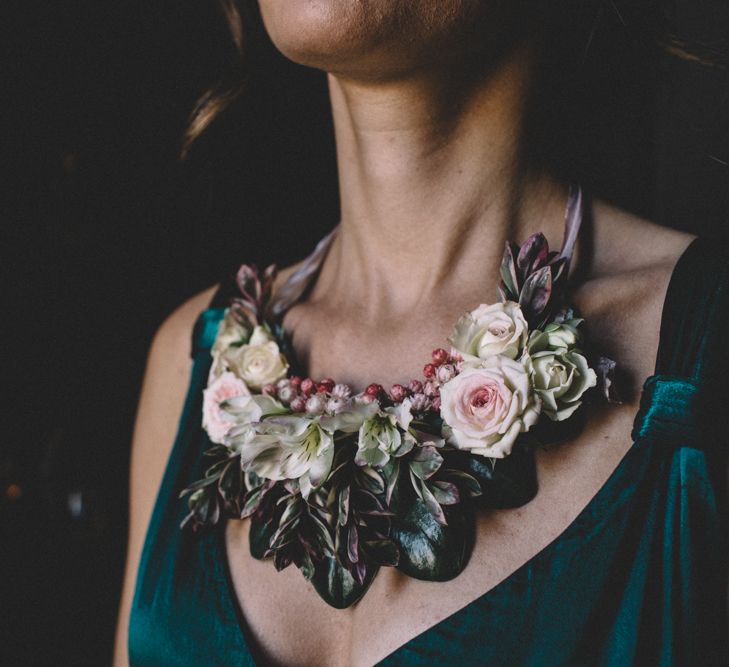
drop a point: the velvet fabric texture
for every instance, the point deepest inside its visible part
(639, 578)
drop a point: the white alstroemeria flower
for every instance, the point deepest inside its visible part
(289, 447)
(499, 328)
(385, 434)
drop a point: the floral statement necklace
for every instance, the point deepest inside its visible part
(340, 484)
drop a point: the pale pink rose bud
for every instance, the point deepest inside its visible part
(419, 403)
(307, 386)
(336, 405)
(415, 387)
(445, 372)
(287, 394)
(283, 383)
(374, 389)
(435, 403)
(398, 393)
(341, 391)
(298, 404)
(429, 370)
(430, 389)
(315, 404)
(216, 421)
(440, 356)
(269, 390)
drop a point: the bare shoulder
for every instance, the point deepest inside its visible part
(163, 392)
(628, 269)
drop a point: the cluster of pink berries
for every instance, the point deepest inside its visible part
(306, 395)
(326, 396)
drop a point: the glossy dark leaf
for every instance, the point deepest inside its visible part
(430, 550)
(508, 482)
(199, 484)
(392, 473)
(382, 552)
(353, 544)
(251, 502)
(230, 484)
(337, 586)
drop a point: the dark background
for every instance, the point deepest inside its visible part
(104, 231)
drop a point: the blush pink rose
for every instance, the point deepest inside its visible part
(485, 408)
(216, 421)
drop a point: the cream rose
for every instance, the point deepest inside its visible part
(486, 408)
(231, 333)
(489, 330)
(560, 378)
(216, 421)
(259, 362)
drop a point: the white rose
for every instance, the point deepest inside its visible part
(231, 333)
(486, 408)
(259, 362)
(489, 330)
(560, 378)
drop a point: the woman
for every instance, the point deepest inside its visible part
(429, 102)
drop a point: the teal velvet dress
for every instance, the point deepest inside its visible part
(638, 578)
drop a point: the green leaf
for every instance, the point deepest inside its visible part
(446, 493)
(371, 480)
(382, 552)
(259, 536)
(425, 461)
(337, 586)
(467, 484)
(429, 550)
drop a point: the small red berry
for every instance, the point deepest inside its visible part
(398, 392)
(429, 370)
(374, 389)
(440, 356)
(325, 386)
(269, 390)
(307, 386)
(295, 381)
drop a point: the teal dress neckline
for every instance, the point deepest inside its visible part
(634, 577)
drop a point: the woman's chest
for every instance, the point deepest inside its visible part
(293, 626)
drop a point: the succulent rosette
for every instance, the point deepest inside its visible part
(340, 483)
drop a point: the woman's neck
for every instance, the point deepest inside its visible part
(432, 184)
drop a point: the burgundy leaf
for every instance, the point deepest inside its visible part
(536, 292)
(353, 544)
(508, 273)
(532, 255)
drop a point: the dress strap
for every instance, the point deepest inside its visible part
(684, 403)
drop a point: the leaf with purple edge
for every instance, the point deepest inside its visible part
(508, 273)
(532, 255)
(446, 493)
(353, 544)
(535, 294)
(425, 461)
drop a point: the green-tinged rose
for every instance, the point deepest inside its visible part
(259, 362)
(563, 336)
(289, 447)
(560, 378)
(385, 434)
